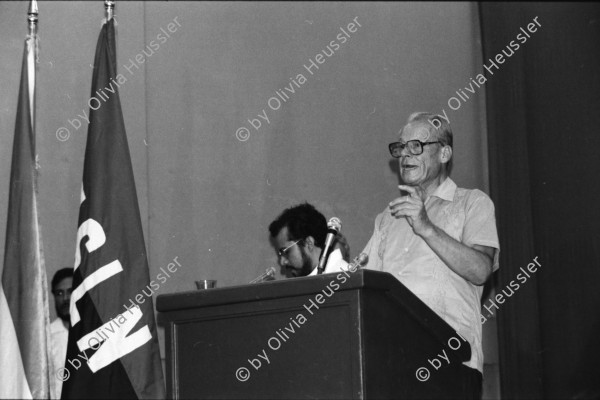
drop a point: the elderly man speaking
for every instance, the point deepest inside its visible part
(439, 240)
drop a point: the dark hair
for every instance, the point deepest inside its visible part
(60, 275)
(302, 221)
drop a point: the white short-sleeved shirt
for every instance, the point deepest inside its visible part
(59, 338)
(465, 215)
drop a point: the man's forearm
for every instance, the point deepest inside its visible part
(473, 265)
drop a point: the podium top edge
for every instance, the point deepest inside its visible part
(273, 289)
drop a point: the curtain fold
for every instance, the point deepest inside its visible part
(543, 119)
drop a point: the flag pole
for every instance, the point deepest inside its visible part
(109, 5)
(32, 18)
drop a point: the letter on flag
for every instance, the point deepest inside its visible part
(113, 348)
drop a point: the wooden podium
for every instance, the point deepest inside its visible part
(365, 336)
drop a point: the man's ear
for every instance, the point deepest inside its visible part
(309, 243)
(446, 154)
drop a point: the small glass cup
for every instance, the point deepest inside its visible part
(206, 284)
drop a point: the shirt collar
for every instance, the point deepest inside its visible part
(446, 190)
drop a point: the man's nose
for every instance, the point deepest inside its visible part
(283, 262)
(402, 158)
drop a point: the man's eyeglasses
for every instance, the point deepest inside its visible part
(283, 252)
(415, 147)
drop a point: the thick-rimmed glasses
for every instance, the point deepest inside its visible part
(283, 252)
(415, 147)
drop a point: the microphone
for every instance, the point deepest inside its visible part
(333, 228)
(359, 261)
(266, 276)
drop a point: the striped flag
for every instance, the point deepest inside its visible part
(113, 347)
(25, 325)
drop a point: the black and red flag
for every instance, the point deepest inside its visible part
(113, 348)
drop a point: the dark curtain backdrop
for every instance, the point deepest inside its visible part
(543, 112)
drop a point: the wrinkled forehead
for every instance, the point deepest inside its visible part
(416, 131)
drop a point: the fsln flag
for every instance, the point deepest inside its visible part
(25, 325)
(113, 348)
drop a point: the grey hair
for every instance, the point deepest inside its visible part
(439, 125)
(437, 122)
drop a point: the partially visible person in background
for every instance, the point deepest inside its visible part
(342, 244)
(59, 328)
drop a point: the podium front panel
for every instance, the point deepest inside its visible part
(277, 340)
(269, 349)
